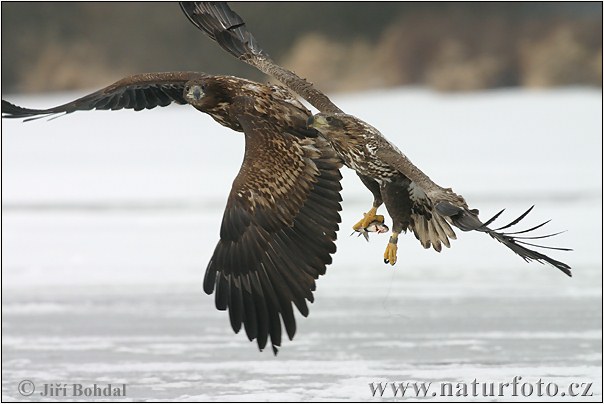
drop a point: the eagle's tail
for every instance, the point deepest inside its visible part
(467, 220)
(224, 26)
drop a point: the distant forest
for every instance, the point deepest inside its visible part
(337, 45)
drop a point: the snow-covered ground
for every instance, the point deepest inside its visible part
(109, 218)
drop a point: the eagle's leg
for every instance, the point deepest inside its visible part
(372, 215)
(391, 249)
(396, 198)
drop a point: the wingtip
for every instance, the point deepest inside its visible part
(517, 244)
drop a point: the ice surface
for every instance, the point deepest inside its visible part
(110, 217)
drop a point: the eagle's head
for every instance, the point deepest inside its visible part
(340, 125)
(332, 125)
(203, 93)
(324, 122)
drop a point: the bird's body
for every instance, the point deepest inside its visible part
(422, 206)
(271, 101)
(357, 149)
(360, 145)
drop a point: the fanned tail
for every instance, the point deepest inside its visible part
(467, 220)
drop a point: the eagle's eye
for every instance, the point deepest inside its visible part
(329, 119)
(187, 88)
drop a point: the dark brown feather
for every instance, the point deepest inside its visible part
(276, 227)
(141, 91)
(227, 28)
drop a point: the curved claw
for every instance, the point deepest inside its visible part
(390, 254)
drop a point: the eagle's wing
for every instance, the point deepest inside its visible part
(141, 91)
(214, 18)
(434, 206)
(467, 220)
(228, 29)
(278, 229)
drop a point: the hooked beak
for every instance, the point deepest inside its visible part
(196, 93)
(316, 121)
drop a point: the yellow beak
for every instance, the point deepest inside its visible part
(316, 121)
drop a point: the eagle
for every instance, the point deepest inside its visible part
(280, 224)
(412, 199)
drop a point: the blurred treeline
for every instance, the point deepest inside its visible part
(339, 46)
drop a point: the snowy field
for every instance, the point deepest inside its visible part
(109, 218)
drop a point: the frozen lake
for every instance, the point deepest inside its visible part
(109, 219)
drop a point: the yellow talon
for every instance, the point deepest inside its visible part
(390, 254)
(391, 248)
(367, 219)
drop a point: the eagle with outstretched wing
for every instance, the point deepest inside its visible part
(412, 199)
(279, 227)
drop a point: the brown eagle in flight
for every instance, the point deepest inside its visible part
(412, 199)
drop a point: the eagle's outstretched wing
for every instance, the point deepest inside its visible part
(138, 92)
(223, 25)
(228, 29)
(468, 220)
(278, 229)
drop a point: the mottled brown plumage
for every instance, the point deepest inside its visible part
(279, 226)
(413, 200)
(428, 214)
